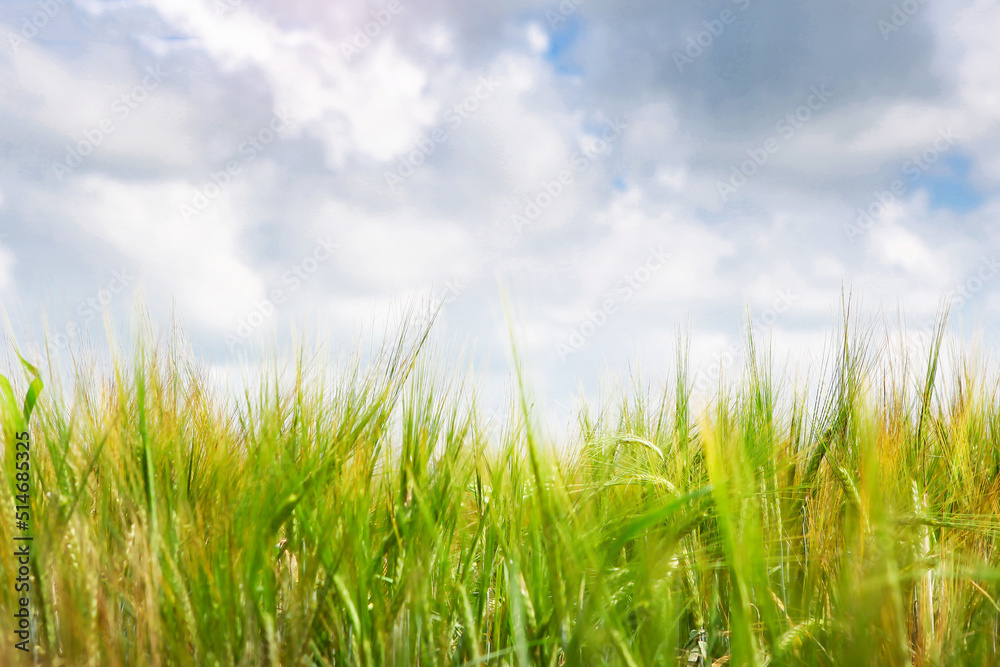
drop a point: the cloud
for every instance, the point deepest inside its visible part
(202, 264)
(99, 111)
(6, 268)
(393, 253)
(360, 115)
(376, 107)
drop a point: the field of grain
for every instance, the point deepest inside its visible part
(373, 512)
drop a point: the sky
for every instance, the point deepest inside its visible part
(616, 172)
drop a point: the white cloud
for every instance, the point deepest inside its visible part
(902, 128)
(406, 251)
(7, 262)
(533, 138)
(691, 273)
(120, 114)
(896, 246)
(439, 40)
(355, 119)
(538, 39)
(376, 107)
(828, 267)
(973, 30)
(58, 97)
(200, 262)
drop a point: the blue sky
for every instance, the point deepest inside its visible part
(952, 189)
(618, 169)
